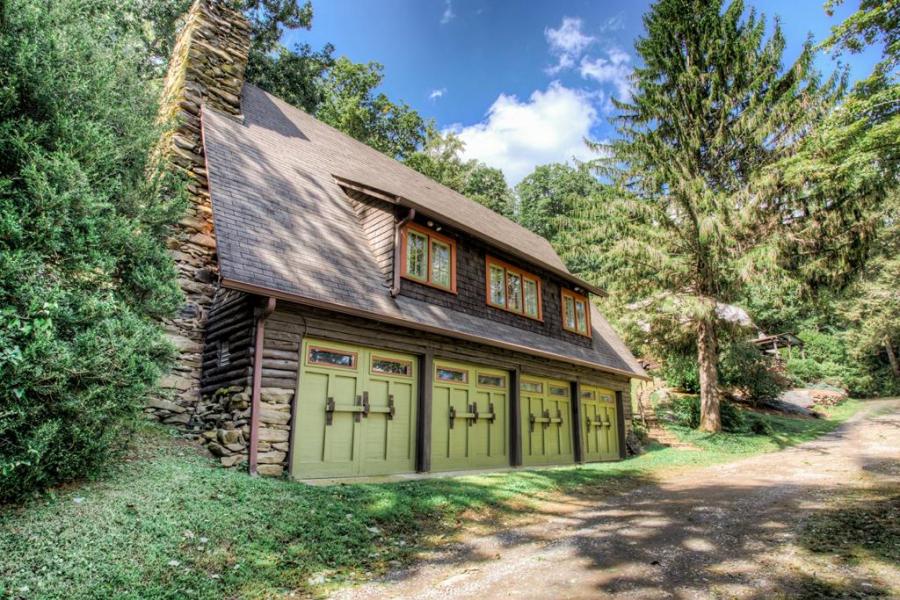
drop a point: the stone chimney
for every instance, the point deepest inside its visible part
(206, 70)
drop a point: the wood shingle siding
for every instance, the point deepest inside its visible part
(377, 220)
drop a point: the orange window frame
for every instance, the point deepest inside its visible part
(432, 236)
(576, 298)
(523, 275)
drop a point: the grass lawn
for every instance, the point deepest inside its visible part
(167, 523)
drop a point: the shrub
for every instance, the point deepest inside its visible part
(83, 269)
(685, 411)
(681, 372)
(741, 366)
(828, 360)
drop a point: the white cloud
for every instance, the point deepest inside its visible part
(615, 69)
(518, 135)
(448, 15)
(438, 93)
(613, 23)
(567, 43)
(568, 38)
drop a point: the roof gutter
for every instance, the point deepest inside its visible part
(398, 230)
(347, 310)
(257, 380)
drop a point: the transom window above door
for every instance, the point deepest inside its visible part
(428, 257)
(513, 289)
(576, 313)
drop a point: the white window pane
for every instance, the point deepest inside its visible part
(580, 316)
(417, 255)
(498, 287)
(514, 291)
(440, 264)
(531, 298)
(570, 312)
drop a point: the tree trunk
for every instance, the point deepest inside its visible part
(892, 358)
(708, 358)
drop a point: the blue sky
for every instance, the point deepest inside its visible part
(522, 82)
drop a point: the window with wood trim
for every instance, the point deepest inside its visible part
(428, 257)
(576, 313)
(513, 289)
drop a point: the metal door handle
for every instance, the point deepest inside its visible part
(331, 407)
(389, 410)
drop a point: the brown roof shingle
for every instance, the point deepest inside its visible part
(283, 224)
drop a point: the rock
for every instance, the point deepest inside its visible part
(175, 382)
(184, 344)
(237, 447)
(230, 436)
(160, 404)
(201, 239)
(210, 435)
(270, 470)
(282, 446)
(217, 449)
(182, 419)
(274, 416)
(268, 434)
(276, 395)
(230, 461)
(271, 458)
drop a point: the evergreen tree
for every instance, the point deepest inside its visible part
(84, 274)
(712, 109)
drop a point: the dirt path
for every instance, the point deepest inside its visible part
(717, 532)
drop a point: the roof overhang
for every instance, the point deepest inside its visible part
(576, 282)
(349, 310)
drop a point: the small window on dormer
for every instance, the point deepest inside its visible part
(513, 289)
(576, 313)
(429, 258)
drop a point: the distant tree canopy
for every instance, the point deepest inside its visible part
(441, 159)
(549, 195)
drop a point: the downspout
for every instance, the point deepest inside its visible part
(398, 227)
(257, 380)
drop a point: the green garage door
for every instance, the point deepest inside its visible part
(599, 423)
(468, 417)
(545, 421)
(355, 412)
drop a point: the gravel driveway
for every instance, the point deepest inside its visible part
(728, 531)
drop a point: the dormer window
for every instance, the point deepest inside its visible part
(576, 314)
(429, 258)
(513, 289)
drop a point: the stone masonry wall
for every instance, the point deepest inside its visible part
(207, 67)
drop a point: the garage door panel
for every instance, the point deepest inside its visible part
(345, 425)
(477, 436)
(546, 421)
(309, 446)
(601, 432)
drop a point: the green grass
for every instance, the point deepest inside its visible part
(786, 431)
(169, 524)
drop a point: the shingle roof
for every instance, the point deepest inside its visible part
(284, 225)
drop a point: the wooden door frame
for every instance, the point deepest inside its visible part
(620, 423)
(576, 421)
(423, 421)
